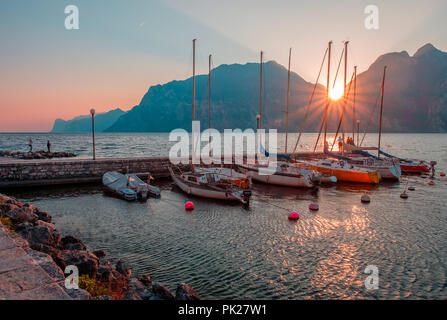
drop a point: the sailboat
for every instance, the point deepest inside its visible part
(340, 168)
(224, 174)
(283, 173)
(202, 183)
(389, 169)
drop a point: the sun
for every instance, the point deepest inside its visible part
(336, 92)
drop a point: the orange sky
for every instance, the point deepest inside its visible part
(122, 48)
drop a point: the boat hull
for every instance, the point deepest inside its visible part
(286, 180)
(387, 173)
(390, 173)
(350, 176)
(204, 192)
(414, 168)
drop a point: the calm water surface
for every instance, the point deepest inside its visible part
(227, 252)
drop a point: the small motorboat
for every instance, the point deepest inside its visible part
(128, 186)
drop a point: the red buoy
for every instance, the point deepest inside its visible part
(294, 216)
(189, 206)
(431, 183)
(314, 207)
(411, 188)
(404, 195)
(365, 199)
(442, 174)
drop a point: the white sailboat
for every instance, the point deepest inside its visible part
(213, 183)
(389, 169)
(283, 174)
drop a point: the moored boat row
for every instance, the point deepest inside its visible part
(350, 164)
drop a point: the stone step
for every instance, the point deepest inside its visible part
(22, 277)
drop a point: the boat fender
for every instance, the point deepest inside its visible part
(189, 206)
(314, 206)
(294, 216)
(365, 198)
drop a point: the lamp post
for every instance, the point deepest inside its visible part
(92, 112)
(358, 133)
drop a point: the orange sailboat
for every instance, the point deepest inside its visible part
(343, 171)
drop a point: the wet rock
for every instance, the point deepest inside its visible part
(20, 215)
(40, 154)
(102, 298)
(186, 292)
(78, 294)
(41, 235)
(6, 207)
(105, 271)
(100, 253)
(122, 268)
(146, 280)
(42, 215)
(72, 243)
(160, 292)
(86, 262)
(137, 291)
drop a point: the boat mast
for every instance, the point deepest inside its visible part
(345, 94)
(381, 110)
(353, 105)
(327, 92)
(287, 103)
(193, 95)
(260, 94)
(209, 101)
(209, 92)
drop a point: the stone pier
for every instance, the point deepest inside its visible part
(20, 173)
(23, 173)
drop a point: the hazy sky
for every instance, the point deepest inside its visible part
(124, 47)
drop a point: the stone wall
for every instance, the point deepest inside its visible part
(30, 172)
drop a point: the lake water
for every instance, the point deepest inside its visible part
(225, 251)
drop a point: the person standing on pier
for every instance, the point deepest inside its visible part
(49, 146)
(30, 145)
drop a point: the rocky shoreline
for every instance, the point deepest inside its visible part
(41, 154)
(33, 230)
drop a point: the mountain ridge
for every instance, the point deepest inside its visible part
(415, 98)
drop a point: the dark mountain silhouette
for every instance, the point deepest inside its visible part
(415, 91)
(415, 98)
(235, 100)
(84, 123)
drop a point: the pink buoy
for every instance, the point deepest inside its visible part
(411, 188)
(294, 216)
(314, 206)
(189, 206)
